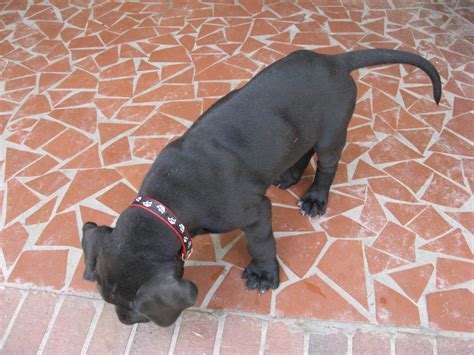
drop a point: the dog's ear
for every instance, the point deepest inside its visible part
(92, 237)
(163, 300)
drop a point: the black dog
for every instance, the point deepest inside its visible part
(215, 177)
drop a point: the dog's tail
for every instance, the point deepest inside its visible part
(368, 57)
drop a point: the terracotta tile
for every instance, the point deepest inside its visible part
(160, 124)
(352, 151)
(404, 212)
(110, 335)
(378, 261)
(108, 107)
(32, 319)
(18, 192)
(289, 220)
(87, 183)
(171, 54)
(397, 241)
(413, 281)
(429, 224)
(67, 144)
(446, 165)
(232, 295)
(345, 227)
(88, 159)
(222, 71)
(78, 283)
(118, 198)
(420, 138)
(204, 277)
(281, 335)
(393, 308)
(44, 268)
(328, 304)
(459, 124)
(149, 337)
(413, 343)
(300, 252)
(236, 329)
(79, 99)
(149, 148)
(41, 166)
(92, 215)
(203, 249)
(361, 134)
(391, 150)
(372, 215)
(364, 170)
(226, 238)
(466, 219)
(42, 214)
(167, 92)
(198, 332)
(190, 111)
(126, 68)
(449, 143)
(134, 173)
(48, 184)
(17, 160)
(71, 326)
(443, 192)
(389, 187)
(34, 105)
(453, 243)
(79, 79)
(410, 173)
(348, 256)
(238, 255)
(447, 310)
(108, 131)
(12, 241)
(452, 272)
(62, 230)
(116, 88)
(447, 345)
(117, 152)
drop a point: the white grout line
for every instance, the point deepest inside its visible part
(306, 343)
(218, 340)
(99, 307)
(214, 287)
(130, 339)
(57, 309)
(263, 338)
(8, 329)
(174, 337)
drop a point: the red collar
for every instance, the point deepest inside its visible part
(167, 216)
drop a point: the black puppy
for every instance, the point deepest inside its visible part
(215, 177)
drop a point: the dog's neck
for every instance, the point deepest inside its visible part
(142, 229)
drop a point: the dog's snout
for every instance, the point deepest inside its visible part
(130, 317)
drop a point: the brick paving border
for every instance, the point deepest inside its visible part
(45, 322)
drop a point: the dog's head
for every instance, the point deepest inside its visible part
(134, 278)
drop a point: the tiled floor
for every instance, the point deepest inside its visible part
(90, 92)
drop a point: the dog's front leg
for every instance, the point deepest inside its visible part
(263, 270)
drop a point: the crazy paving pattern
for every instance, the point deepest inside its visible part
(91, 92)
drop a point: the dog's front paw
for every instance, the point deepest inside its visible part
(313, 204)
(262, 276)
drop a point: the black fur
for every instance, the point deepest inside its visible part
(216, 175)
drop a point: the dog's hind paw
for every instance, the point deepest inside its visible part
(262, 277)
(287, 178)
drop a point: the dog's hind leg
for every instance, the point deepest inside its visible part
(315, 200)
(263, 271)
(293, 174)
